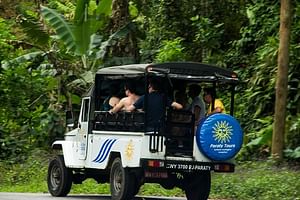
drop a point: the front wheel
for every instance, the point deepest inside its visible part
(198, 186)
(122, 182)
(59, 177)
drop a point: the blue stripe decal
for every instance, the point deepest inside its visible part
(104, 150)
(103, 158)
(101, 150)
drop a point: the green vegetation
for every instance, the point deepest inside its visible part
(258, 180)
(252, 180)
(56, 52)
(57, 56)
(48, 58)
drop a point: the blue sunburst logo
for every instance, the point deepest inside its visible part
(222, 131)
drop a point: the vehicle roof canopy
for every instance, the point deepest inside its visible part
(178, 70)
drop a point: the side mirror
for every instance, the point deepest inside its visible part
(70, 125)
(71, 119)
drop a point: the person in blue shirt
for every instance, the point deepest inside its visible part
(156, 105)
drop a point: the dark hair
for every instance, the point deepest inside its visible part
(130, 86)
(211, 92)
(195, 88)
(155, 83)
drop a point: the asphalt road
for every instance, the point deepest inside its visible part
(40, 196)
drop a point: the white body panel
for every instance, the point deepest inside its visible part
(70, 151)
(83, 127)
(131, 146)
(103, 143)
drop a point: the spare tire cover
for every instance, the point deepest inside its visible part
(219, 137)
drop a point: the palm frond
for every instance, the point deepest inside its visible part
(21, 59)
(34, 29)
(96, 41)
(63, 29)
(122, 32)
(66, 7)
(83, 24)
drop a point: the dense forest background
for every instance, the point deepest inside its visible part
(50, 49)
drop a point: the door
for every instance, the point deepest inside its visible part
(84, 127)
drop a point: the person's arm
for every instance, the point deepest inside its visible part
(219, 107)
(176, 105)
(218, 110)
(118, 107)
(131, 108)
(197, 111)
(137, 105)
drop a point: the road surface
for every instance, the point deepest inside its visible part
(40, 196)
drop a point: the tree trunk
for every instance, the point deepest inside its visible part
(126, 47)
(282, 81)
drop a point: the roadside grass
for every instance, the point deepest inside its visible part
(261, 180)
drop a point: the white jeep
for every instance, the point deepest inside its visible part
(119, 149)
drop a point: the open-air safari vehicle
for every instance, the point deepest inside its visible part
(119, 148)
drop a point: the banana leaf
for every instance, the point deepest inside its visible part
(21, 59)
(63, 29)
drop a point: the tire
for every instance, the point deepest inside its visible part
(122, 182)
(198, 186)
(219, 137)
(59, 177)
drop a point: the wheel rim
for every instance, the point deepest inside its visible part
(118, 180)
(55, 177)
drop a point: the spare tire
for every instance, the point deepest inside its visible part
(219, 137)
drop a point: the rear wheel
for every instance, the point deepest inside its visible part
(122, 182)
(197, 186)
(59, 177)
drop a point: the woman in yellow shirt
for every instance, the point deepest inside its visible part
(209, 95)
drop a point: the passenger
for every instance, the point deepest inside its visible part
(156, 105)
(126, 102)
(197, 106)
(112, 100)
(182, 98)
(209, 95)
(179, 132)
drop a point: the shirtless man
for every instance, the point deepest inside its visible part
(126, 102)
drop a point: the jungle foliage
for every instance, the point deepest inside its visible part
(49, 51)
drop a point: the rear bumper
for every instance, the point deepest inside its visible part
(185, 166)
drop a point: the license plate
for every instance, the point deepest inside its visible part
(188, 166)
(156, 174)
